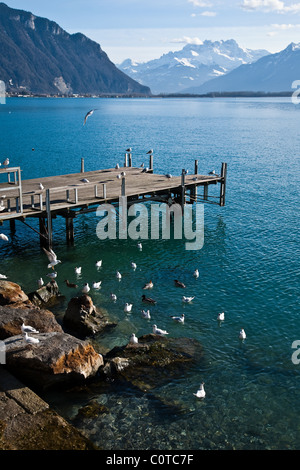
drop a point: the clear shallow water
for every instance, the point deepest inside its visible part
(249, 265)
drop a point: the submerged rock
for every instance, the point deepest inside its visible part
(11, 293)
(152, 360)
(57, 358)
(83, 318)
(13, 316)
(46, 295)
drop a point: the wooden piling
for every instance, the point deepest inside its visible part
(223, 184)
(82, 165)
(70, 230)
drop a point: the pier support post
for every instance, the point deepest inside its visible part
(43, 232)
(49, 217)
(12, 224)
(70, 230)
(196, 167)
(130, 160)
(151, 162)
(183, 188)
(223, 184)
(126, 160)
(82, 165)
(205, 192)
(123, 189)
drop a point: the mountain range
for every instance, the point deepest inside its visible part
(38, 56)
(191, 66)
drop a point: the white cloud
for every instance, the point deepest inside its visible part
(188, 40)
(284, 27)
(270, 5)
(200, 3)
(209, 13)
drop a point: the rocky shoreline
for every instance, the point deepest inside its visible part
(65, 354)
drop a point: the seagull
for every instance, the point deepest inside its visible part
(242, 334)
(28, 329)
(118, 275)
(179, 284)
(6, 162)
(187, 299)
(2, 206)
(158, 331)
(99, 264)
(146, 314)
(117, 166)
(69, 284)
(133, 265)
(148, 300)
(119, 176)
(150, 152)
(113, 297)
(85, 180)
(201, 392)
(3, 237)
(133, 339)
(31, 340)
(78, 270)
(221, 316)
(196, 273)
(129, 149)
(168, 175)
(88, 115)
(52, 275)
(212, 172)
(179, 319)
(2, 276)
(140, 246)
(145, 170)
(41, 187)
(97, 285)
(149, 285)
(40, 282)
(123, 173)
(86, 288)
(127, 308)
(142, 165)
(52, 257)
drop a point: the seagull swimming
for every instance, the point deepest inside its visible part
(187, 299)
(242, 334)
(148, 285)
(133, 339)
(179, 319)
(146, 314)
(86, 288)
(201, 392)
(96, 285)
(196, 273)
(78, 270)
(28, 329)
(52, 257)
(140, 246)
(31, 340)
(3, 237)
(133, 265)
(118, 275)
(88, 115)
(99, 264)
(221, 316)
(113, 297)
(148, 300)
(158, 331)
(127, 308)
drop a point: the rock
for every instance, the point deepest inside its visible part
(11, 293)
(45, 295)
(12, 317)
(152, 360)
(58, 358)
(83, 318)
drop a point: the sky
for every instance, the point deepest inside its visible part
(143, 30)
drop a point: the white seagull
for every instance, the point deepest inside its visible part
(88, 115)
(52, 275)
(242, 334)
(140, 246)
(148, 285)
(6, 162)
(146, 314)
(2, 206)
(133, 265)
(41, 187)
(127, 308)
(3, 237)
(40, 282)
(86, 288)
(133, 339)
(28, 329)
(113, 297)
(85, 180)
(31, 340)
(118, 275)
(201, 392)
(117, 166)
(187, 299)
(52, 257)
(221, 316)
(179, 319)
(99, 263)
(2, 276)
(196, 273)
(97, 285)
(158, 331)
(78, 270)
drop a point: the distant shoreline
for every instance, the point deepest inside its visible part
(241, 94)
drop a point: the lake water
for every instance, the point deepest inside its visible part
(249, 264)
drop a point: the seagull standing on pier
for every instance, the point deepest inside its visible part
(88, 115)
(6, 162)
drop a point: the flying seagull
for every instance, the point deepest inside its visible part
(52, 257)
(88, 115)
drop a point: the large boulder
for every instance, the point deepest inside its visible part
(153, 360)
(11, 293)
(13, 316)
(57, 358)
(82, 318)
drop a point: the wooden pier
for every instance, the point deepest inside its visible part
(71, 195)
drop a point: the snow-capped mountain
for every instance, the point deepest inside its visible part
(191, 66)
(272, 73)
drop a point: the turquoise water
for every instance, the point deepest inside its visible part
(249, 264)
